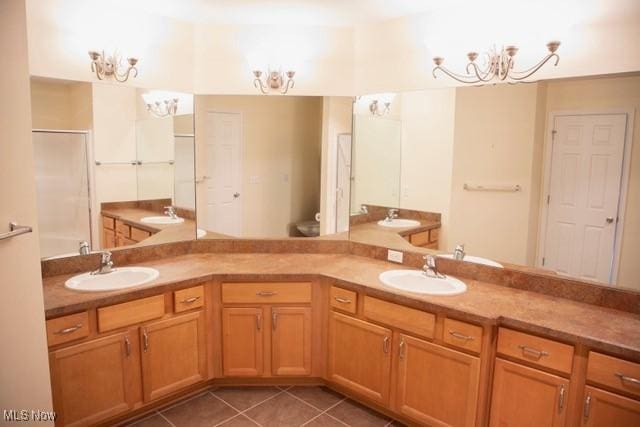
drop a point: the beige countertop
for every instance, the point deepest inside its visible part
(601, 328)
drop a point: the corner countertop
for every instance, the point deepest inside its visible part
(162, 233)
(600, 328)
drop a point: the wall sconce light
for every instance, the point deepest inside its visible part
(111, 66)
(499, 66)
(375, 109)
(168, 107)
(274, 81)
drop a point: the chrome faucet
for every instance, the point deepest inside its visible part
(171, 212)
(459, 253)
(364, 209)
(430, 267)
(391, 215)
(106, 265)
(84, 248)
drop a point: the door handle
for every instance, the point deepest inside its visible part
(609, 219)
(236, 195)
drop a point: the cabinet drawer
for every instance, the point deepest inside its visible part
(108, 222)
(123, 229)
(462, 335)
(268, 292)
(67, 328)
(187, 299)
(343, 299)
(613, 372)
(129, 313)
(138, 234)
(540, 351)
(407, 319)
(419, 239)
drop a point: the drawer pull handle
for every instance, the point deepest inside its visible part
(460, 336)
(533, 352)
(561, 398)
(69, 330)
(627, 379)
(343, 300)
(127, 346)
(145, 340)
(385, 345)
(587, 407)
(189, 300)
(266, 293)
(402, 350)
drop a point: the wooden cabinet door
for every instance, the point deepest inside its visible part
(291, 341)
(359, 357)
(173, 354)
(108, 239)
(242, 342)
(604, 409)
(525, 396)
(436, 385)
(94, 380)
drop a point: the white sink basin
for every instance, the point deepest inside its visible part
(200, 233)
(475, 259)
(398, 223)
(418, 282)
(119, 278)
(161, 220)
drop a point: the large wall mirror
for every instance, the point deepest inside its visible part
(542, 176)
(273, 166)
(114, 166)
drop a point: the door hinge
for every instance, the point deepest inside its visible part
(553, 133)
(543, 260)
(548, 198)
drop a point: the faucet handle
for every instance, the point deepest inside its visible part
(105, 257)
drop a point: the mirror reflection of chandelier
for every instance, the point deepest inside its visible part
(499, 66)
(165, 108)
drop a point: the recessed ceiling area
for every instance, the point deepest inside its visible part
(347, 13)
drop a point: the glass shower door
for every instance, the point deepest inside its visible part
(62, 184)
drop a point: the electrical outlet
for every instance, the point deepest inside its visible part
(394, 256)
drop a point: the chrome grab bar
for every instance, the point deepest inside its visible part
(15, 230)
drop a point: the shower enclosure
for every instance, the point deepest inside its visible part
(62, 184)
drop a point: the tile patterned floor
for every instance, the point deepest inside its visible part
(266, 407)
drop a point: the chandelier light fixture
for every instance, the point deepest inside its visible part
(165, 108)
(499, 66)
(273, 81)
(111, 66)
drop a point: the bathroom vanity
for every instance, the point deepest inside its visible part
(251, 312)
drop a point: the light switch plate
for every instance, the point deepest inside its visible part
(394, 256)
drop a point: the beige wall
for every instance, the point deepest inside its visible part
(396, 54)
(281, 148)
(61, 105)
(427, 153)
(24, 376)
(494, 142)
(603, 94)
(62, 31)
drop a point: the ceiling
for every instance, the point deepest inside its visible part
(349, 13)
(301, 12)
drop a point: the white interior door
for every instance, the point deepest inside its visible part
(584, 194)
(343, 182)
(224, 169)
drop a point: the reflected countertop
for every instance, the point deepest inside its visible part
(393, 238)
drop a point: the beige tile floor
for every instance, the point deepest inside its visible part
(267, 407)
